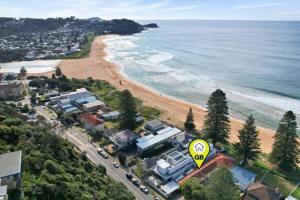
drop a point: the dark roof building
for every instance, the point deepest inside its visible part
(154, 125)
(260, 191)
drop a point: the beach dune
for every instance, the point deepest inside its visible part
(174, 110)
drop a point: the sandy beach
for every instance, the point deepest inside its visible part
(174, 110)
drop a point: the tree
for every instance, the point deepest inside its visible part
(193, 190)
(286, 150)
(128, 108)
(122, 159)
(248, 145)
(33, 98)
(216, 124)
(58, 72)
(189, 122)
(23, 72)
(221, 185)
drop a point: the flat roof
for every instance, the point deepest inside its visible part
(150, 140)
(93, 104)
(170, 187)
(10, 163)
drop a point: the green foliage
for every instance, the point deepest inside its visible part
(128, 110)
(51, 169)
(193, 190)
(286, 150)
(216, 123)
(189, 122)
(58, 71)
(248, 146)
(218, 186)
(221, 185)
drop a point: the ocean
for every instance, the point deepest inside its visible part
(256, 63)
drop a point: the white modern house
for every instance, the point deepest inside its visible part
(147, 142)
(174, 166)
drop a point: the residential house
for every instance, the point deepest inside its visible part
(11, 90)
(124, 139)
(92, 122)
(149, 141)
(173, 166)
(154, 125)
(260, 191)
(10, 169)
(93, 106)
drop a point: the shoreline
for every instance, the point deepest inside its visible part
(173, 110)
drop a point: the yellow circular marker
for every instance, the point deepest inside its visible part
(199, 150)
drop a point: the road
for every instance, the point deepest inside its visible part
(82, 142)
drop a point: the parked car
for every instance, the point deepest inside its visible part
(135, 182)
(156, 198)
(99, 150)
(115, 164)
(104, 154)
(144, 189)
(129, 176)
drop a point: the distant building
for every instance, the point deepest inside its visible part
(149, 141)
(11, 90)
(154, 125)
(124, 139)
(3, 192)
(10, 169)
(174, 166)
(260, 191)
(243, 178)
(92, 122)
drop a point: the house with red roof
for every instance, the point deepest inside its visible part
(91, 122)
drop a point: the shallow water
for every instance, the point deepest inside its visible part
(257, 64)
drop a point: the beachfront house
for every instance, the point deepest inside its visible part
(92, 122)
(123, 139)
(154, 125)
(150, 141)
(10, 169)
(259, 190)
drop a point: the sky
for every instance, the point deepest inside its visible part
(155, 9)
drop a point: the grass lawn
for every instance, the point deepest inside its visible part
(286, 182)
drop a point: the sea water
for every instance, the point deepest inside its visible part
(256, 63)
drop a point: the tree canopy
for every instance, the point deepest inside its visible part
(248, 145)
(128, 108)
(189, 122)
(286, 150)
(216, 123)
(51, 168)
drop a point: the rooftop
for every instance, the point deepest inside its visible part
(125, 135)
(154, 123)
(170, 187)
(10, 163)
(149, 140)
(91, 119)
(259, 190)
(93, 104)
